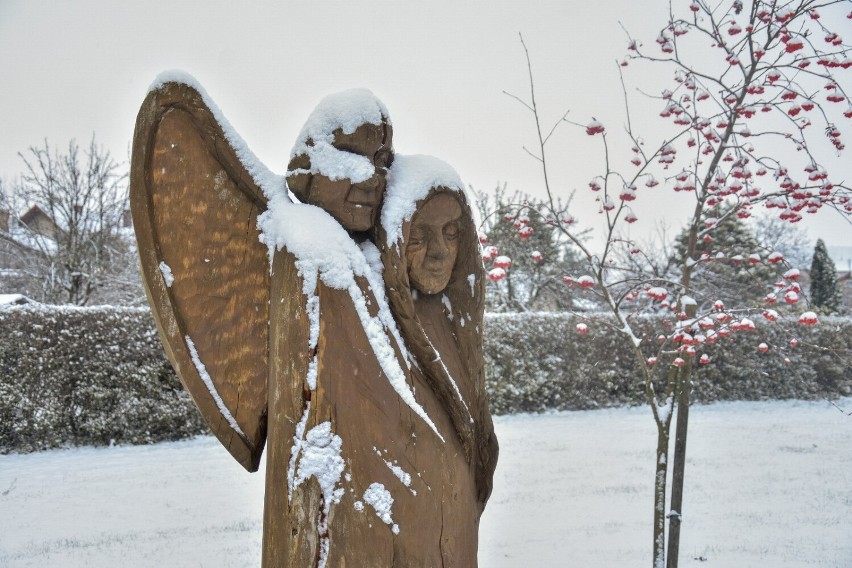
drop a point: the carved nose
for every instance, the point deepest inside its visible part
(367, 192)
(438, 248)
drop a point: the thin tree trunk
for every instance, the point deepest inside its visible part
(679, 451)
(678, 466)
(660, 496)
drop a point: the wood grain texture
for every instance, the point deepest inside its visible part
(437, 514)
(289, 531)
(195, 209)
(447, 342)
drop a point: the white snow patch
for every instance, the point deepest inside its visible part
(71, 506)
(346, 110)
(321, 246)
(311, 377)
(665, 409)
(382, 502)
(629, 332)
(373, 257)
(448, 305)
(295, 449)
(14, 300)
(400, 473)
(324, 251)
(312, 309)
(658, 293)
(337, 164)
(208, 382)
(166, 270)
(319, 457)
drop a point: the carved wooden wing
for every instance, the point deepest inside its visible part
(195, 209)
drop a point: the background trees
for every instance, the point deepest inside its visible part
(743, 277)
(787, 238)
(69, 238)
(526, 265)
(825, 293)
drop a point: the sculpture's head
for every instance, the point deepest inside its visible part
(427, 231)
(433, 242)
(340, 161)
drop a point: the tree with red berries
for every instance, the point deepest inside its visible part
(525, 266)
(759, 94)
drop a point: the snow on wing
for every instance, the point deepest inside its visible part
(195, 210)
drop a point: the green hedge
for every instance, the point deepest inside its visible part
(87, 376)
(538, 362)
(96, 376)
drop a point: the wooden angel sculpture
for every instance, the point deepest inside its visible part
(275, 316)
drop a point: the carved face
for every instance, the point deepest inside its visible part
(433, 243)
(355, 206)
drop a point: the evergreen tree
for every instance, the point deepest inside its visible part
(825, 293)
(728, 272)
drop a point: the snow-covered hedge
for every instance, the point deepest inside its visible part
(539, 362)
(75, 376)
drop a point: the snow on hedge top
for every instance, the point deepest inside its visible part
(14, 299)
(346, 110)
(269, 182)
(409, 180)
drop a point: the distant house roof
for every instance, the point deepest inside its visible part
(34, 213)
(40, 222)
(842, 257)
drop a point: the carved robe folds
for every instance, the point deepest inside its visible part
(383, 442)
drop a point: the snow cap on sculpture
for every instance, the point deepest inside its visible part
(341, 156)
(410, 181)
(346, 110)
(269, 182)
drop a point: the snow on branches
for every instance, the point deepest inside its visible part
(785, 88)
(758, 97)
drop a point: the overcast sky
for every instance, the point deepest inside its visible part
(71, 69)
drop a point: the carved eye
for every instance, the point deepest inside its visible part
(383, 158)
(451, 231)
(416, 240)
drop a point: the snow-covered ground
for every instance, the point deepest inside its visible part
(768, 484)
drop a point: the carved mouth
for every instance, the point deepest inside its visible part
(438, 273)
